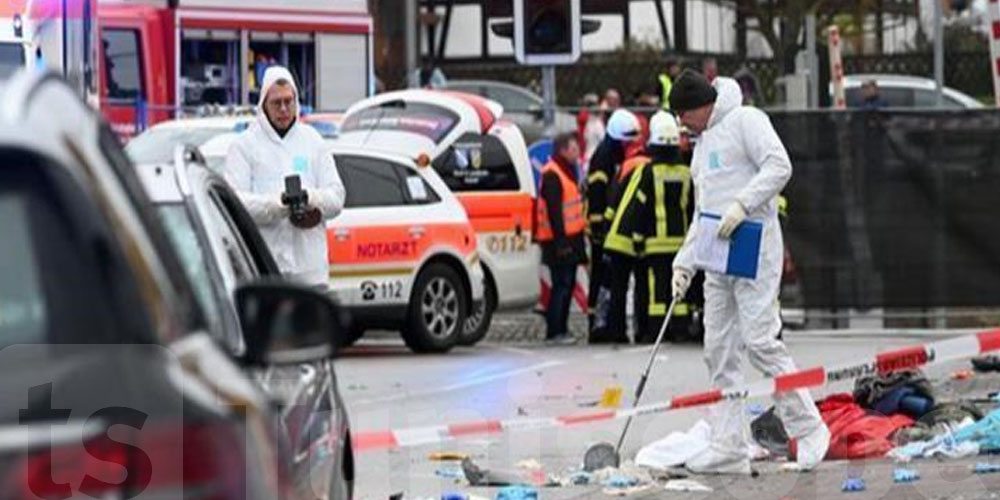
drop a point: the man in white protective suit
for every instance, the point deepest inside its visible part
(739, 168)
(275, 147)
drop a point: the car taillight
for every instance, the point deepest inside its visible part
(203, 462)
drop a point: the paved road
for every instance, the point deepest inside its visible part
(387, 387)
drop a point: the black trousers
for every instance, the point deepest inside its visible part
(657, 272)
(557, 314)
(610, 323)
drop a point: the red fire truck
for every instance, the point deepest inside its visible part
(163, 58)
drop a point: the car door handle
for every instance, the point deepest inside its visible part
(342, 234)
(417, 231)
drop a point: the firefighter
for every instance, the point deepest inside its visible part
(620, 255)
(663, 209)
(622, 128)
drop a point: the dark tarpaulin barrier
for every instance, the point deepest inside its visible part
(894, 208)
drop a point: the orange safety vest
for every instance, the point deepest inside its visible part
(572, 207)
(630, 165)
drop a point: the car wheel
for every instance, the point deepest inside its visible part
(477, 325)
(437, 310)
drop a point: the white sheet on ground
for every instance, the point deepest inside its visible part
(676, 448)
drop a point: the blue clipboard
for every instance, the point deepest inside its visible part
(744, 247)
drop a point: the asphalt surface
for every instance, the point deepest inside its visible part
(387, 387)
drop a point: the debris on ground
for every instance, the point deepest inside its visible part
(447, 456)
(529, 464)
(454, 496)
(853, 484)
(985, 433)
(905, 475)
(620, 482)
(517, 493)
(686, 485)
(945, 445)
(578, 478)
(755, 409)
(963, 374)
(987, 363)
(905, 391)
(396, 496)
(790, 467)
(676, 448)
(986, 468)
(450, 473)
(624, 492)
(478, 476)
(854, 432)
(611, 397)
(521, 412)
(768, 432)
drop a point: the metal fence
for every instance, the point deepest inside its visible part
(968, 72)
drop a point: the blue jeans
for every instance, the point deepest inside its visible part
(557, 314)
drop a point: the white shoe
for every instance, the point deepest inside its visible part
(812, 447)
(711, 461)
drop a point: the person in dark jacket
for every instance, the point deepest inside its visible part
(623, 127)
(560, 231)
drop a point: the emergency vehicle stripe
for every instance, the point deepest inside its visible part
(486, 117)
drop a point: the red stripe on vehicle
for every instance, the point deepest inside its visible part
(901, 359)
(485, 427)
(588, 417)
(701, 398)
(989, 341)
(374, 440)
(799, 380)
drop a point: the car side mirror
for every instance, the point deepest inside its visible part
(285, 323)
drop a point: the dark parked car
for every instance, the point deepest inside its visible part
(221, 249)
(113, 384)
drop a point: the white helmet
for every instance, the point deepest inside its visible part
(663, 130)
(623, 126)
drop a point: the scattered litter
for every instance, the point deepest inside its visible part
(530, 464)
(624, 492)
(676, 448)
(396, 496)
(755, 409)
(986, 432)
(454, 496)
(790, 467)
(686, 485)
(447, 456)
(620, 482)
(963, 374)
(521, 412)
(611, 397)
(478, 476)
(517, 493)
(985, 468)
(853, 484)
(905, 475)
(578, 478)
(449, 473)
(988, 363)
(589, 404)
(856, 432)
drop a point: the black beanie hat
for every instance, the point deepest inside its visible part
(691, 91)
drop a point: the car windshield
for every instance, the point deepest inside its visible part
(157, 145)
(11, 58)
(185, 241)
(428, 120)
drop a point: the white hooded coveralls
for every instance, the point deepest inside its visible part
(740, 158)
(256, 167)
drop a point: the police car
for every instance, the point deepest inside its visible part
(483, 160)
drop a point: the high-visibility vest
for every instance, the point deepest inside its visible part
(572, 207)
(667, 238)
(620, 239)
(665, 85)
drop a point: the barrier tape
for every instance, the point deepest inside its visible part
(890, 361)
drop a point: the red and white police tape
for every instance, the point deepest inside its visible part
(910, 357)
